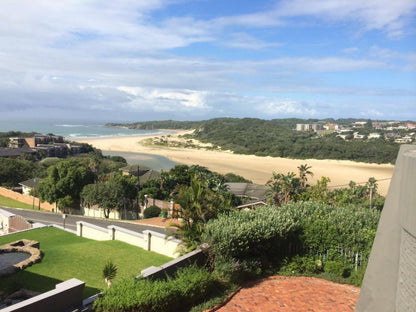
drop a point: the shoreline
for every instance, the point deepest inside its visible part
(255, 168)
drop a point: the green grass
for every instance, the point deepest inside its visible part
(7, 202)
(67, 255)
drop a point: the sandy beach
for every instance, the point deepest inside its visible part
(257, 169)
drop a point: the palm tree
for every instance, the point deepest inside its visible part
(283, 187)
(303, 173)
(109, 272)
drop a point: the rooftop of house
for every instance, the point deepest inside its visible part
(31, 183)
(254, 191)
(15, 152)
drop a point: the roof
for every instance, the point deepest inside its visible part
(255, 191)
(14, 152)
(149, 175)
(132, 169)
(31, 182)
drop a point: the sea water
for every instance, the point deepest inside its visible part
(73, 130)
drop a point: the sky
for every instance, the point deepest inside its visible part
(139, 60)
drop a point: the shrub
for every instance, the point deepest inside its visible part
(151, 212)
(302, 265)
(189, 286)
(337, 268)
(247, 243)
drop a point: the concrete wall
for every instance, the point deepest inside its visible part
(148, 240)
(99, 213)
(26, 199)
(390, 280)
(92, 231)
(10, 222)
(168, 269)
(67, 296)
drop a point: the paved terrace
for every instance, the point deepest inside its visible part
(292, 294)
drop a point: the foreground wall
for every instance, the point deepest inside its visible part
(390, 280)
(67, 296)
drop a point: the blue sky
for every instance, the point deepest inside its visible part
(199, 59)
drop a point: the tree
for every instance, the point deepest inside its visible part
(109, 272)
(118, 192)
(283, 187)
(13, 171)
(66, 178)
(198, 204)
(303, 173)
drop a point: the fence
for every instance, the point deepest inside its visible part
(347, 255)
(30, 200)
(148, 240)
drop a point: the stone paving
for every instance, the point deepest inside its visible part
(292, 294)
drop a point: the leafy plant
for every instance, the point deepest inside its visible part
(151, 212)
(109, 272)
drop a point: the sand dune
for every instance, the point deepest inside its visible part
(257, 169)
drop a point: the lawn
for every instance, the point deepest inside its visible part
(7, 202)
(67, 255)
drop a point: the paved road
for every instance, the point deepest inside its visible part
(53, 218)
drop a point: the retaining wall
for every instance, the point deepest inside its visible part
(67, 296)
(148, 240)
(30, 200)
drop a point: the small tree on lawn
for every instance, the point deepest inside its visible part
(109, 272)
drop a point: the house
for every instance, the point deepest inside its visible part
(331, 126)
(359, 136)
(17, 142)
(144, 173)
(309, 127)
(404, 140)
(29, 185)
(374, 136)
(15, 152)
(44, 139)
(252, 194)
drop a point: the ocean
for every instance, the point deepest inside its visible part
(73, 130)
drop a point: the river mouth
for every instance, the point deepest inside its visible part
(8, 259)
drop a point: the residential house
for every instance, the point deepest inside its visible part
(30, 185)
(15, 152)
(374, 136)
(331, 126)
(144, 173)
(309, 127)
(253, 195)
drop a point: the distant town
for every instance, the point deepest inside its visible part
(399, 132)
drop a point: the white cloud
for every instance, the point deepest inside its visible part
(246, 41)
(351, 50)
(165, 100)
(386, 15)
(279, 107)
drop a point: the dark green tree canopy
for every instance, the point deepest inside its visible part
(66, 178)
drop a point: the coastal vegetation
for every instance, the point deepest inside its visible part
(279, 138)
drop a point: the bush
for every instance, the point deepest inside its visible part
(302, 265)
(247, 243)
(151, 212)
(337, 268)
(189, 286)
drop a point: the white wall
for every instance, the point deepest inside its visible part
(148, 240)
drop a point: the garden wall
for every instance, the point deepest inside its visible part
(67, 296)
(26, 199)
(148, 240)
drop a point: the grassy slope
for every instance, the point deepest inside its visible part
(7, 202)
(67, 255)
